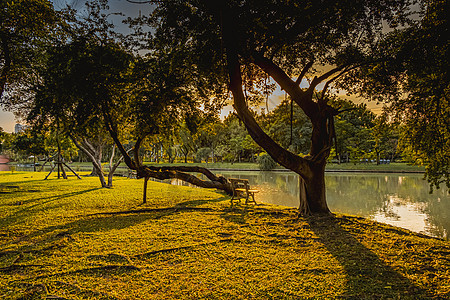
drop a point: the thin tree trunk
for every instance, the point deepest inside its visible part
(90, 151)
(113, 167)
(144, 200)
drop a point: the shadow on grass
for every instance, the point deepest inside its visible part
(106, 223)
(368, 277)
(239, 213)
(195, 203)
(103, 221)
(36, 206)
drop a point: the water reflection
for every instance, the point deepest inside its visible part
(397, 199)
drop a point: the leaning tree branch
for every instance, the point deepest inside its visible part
(113, 132)
(162, 173)
(87, 152)
(304, 71)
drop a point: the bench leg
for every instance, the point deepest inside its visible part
(248, 196)
(235, 197)
(253, 197)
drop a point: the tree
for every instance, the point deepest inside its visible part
(186, 141)
(235, 137)
(29, 143)
(382, 135)
(77, 76)
(294, 135)
(91, 82)
(353, 130)
(25, 26)
(319, 41)
(415, 81)
(161, 95)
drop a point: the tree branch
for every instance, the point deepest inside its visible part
(113, 132)
(87, 152)
(303, 73)
(286, 83)
(215, 182)
(281, 155)
(317, 80)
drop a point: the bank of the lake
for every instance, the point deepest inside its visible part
(395, 167)
(74, 240)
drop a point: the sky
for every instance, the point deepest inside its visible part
(7, 120)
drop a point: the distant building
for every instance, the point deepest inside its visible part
(19, 128)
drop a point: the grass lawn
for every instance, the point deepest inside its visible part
(70, 239)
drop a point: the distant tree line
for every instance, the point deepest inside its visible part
(363, 137)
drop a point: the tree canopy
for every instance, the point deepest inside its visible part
(414, 80)
(25, 25)
(315, 42)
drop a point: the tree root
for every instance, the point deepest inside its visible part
(169, 250)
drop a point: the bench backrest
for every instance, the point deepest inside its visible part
(239, 183)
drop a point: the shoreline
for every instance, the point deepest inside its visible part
(326, 171)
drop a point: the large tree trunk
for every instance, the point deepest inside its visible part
(312, 192)
(311, 169)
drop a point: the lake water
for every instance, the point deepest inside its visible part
(402, 200)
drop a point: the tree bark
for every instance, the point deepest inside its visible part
(311, 169)
(144, 200)
(315, 193)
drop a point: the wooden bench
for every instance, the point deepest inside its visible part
(241, 189)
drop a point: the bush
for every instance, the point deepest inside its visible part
(265, 162)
